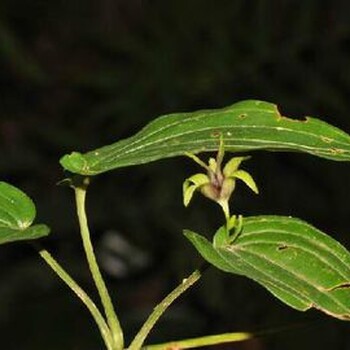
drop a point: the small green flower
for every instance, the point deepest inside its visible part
(217, 184)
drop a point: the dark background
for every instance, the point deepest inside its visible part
(76, 75)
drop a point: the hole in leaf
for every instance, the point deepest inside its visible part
(341, 286)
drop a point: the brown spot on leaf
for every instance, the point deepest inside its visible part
(336, 150)
(326, 139)
(243, 116)
(282, 247)
(215, 133)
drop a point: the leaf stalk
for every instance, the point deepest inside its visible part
(79, 292)
(201, 341)
(158, 311)
(112, 319)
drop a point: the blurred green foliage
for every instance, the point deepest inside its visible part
(76, 75)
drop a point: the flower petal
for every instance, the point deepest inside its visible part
(191, 184)
(247, 179)
(198, 179)
(197, 160)
(232, 165)
(188, 193)
(213, 165)
(227, 188)
(221, 152)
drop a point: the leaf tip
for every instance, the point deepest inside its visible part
(75, 163)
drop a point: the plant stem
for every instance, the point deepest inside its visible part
(112, 320)
(158, 311)
(201, 341)
(81, 294)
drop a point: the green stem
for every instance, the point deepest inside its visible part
(202, 341)
(158, 311)
(81, 294)
(223, 338)
(112, 320)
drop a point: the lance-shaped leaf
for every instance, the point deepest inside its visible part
(244, 126)
(296, 262)
(17, 213)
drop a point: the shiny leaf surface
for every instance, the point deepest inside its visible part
(296, 262)
(244, 126)
(17, 213)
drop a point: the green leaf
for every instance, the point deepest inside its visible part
(8, 235)
(17, 213)
(244, 126)
(296, 262)
(221, 236)
(207, 251)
